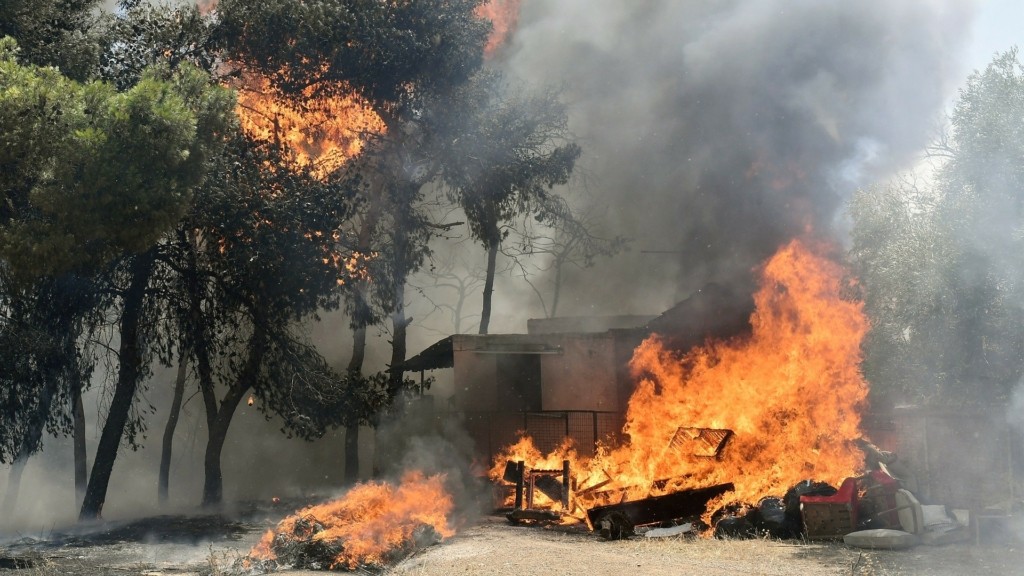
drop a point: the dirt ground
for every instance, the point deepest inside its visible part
(492, 546)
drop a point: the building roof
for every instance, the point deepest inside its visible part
(438, 355)
(710, 311)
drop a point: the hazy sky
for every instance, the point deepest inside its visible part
(998, 26)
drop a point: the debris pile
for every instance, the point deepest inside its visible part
(371, 527)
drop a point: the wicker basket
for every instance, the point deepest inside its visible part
(825, 520)
(830, 516)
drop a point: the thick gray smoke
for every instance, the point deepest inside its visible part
(714, 131)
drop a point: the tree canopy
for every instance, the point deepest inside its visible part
(90, 173)
(939, 257)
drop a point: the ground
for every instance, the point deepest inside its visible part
(175, 546)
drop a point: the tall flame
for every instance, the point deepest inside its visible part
(370, 521)
(504, 16)
(316, 133)
(791, 392)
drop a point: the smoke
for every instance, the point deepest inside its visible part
(712, 130)
(287, 468)
(434, 443)
(715, 131)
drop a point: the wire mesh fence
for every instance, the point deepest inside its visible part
(492, 431)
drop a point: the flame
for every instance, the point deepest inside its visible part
(206, 6)
(791, 392)
(370, 521)
(317, 133)
(504, 16)
(324, 133)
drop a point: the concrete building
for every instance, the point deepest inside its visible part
(566, 377)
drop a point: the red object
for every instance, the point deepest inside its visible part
(847, 494)
(831, 516)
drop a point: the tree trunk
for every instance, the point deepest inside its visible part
(129, 372)
(400, 325)
(355, 366)
(485, 311)
(213, 485)
(557, 288)
(29, 446)
(14, 484)
(172, 423)
(81, 458)
(351, 454)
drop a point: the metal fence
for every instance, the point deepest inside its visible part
(968, 459)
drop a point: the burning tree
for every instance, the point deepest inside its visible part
(257, 256)
(401, 59)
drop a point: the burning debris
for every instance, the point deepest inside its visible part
(371, 527)
(615, 521)
(759, 413)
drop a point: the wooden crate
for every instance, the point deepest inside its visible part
(827, 520)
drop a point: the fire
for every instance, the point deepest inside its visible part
(372, 521)
(504, 16)
(791, 392)
(316, 133)
(206, 6)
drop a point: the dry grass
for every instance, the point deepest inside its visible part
(497, 549)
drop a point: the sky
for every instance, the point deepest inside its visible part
(997, 27)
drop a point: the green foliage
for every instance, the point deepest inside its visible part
(388, 52)
(40, 360)
(145, 35)
(311, 398)
(255, 257)
(91, 173)
(940, 263)
(59, 33)
(504, 153)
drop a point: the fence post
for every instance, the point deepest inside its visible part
(520, 472)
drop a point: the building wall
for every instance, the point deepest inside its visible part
(969, 458)
(582, 377)
(475, 378)
(577, 371)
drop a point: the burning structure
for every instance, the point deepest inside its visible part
(729, 421)
(692, 403)
(567, 378)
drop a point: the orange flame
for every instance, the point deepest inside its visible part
(791, 392)
(316, 133)
(504, 16)
(371, 520)
(206, 6)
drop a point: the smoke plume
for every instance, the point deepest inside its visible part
(715, 131)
